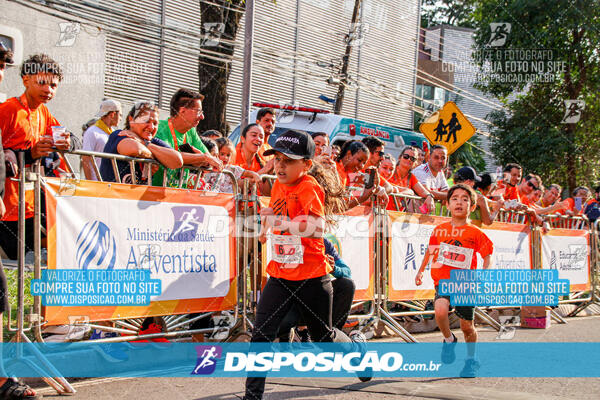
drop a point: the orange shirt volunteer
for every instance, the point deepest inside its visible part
(296, 202)
(21, 129)
(454, 247)
(240, 160)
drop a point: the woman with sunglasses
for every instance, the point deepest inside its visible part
(404, 179)
(137, 140)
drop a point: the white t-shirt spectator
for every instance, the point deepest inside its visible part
(94, 139)
(427, 179)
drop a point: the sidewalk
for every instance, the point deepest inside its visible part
(581, 329)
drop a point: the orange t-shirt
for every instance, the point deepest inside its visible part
(240, 160)
(296, 202)
(342, 173)
(21, 128)
(409, 181)
(511, 193)
(458, 245)
(266, 146)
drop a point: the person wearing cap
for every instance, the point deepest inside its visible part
(468, 176)
(96, 136)
(296, 217)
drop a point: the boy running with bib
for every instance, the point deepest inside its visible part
(453, 245)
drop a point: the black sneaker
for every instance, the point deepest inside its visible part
(470, 369)
(448, 354)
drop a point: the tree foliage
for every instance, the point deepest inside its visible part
(447, 12)
(530, 130)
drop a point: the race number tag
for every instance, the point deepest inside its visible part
(454, 256)
(288, 249)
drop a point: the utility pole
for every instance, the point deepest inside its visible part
(247, 77)
(352, 35)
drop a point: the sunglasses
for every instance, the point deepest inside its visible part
(380, 153)
(531, 185)
(407, 157)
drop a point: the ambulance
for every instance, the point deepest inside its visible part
(340, 129)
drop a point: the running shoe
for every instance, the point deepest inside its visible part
(470, 369)
(359, 338)
(448, 354)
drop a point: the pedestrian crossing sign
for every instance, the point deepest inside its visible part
(447, 127)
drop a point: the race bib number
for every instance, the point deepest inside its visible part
(287, 249)
(454, 256)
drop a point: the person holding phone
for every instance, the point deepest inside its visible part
(179, 131)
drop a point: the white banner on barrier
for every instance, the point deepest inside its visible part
(511, 249)
(567, 254)
(177, 242)
(409, 243)
(351, 240)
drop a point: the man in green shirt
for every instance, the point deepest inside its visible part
(180, 131)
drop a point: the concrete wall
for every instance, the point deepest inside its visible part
(81, 91)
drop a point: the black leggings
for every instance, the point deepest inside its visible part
(343, 294)
(312, 296)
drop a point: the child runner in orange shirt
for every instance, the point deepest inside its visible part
(453, 245)
(299, 271)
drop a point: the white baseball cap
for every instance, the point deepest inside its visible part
(108, 106)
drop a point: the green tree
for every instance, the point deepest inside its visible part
(531, 130)
(447, 12)
(214, 64)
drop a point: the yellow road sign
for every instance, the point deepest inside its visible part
(448, 127)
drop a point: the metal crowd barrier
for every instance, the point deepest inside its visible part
(250, 271)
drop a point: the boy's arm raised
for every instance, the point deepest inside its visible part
(486, 261)
(419, 277)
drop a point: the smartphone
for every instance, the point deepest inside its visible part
(370, 179)
(186, 148)
(578, 203)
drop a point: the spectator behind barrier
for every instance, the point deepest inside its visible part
(211, 134)
(211, 146)
(179, 131)
(96, 136)
(468, 176)
(138, 140)
(575, 205)
(323, 151)
(507, 187)
(387, 167)
(265, 117)
(376, 152)
(431, 175)
(527, 186)
(486, 186)
(406, 182)
(592, 209)
(247, 153)
(219, 182)
(25, 123)
(7, 385)
(352, 159)
(335, 151)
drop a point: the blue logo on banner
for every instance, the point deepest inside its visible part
(207, 356)
(96, 247)
(187, 220)
(410, 257)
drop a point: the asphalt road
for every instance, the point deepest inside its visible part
(580, 329)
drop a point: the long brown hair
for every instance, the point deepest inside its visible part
(334, 203)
